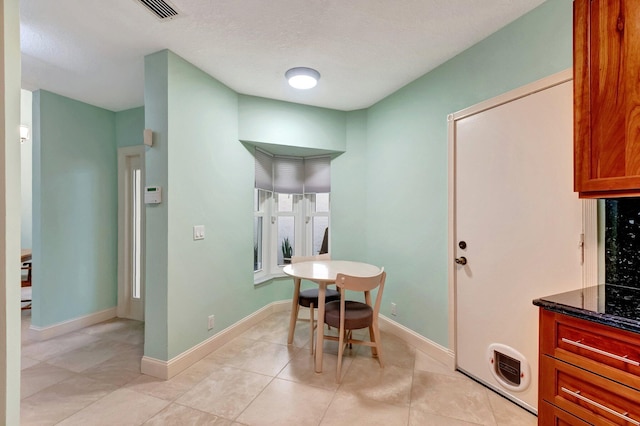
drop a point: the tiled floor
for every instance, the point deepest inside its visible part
(91, 377)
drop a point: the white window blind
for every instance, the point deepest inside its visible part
(317, 175)
(264, 170)
(292, 175)
(288, 175)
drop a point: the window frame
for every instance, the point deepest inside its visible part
(303, 213)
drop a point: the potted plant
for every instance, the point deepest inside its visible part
(255, 257)
(287, 250)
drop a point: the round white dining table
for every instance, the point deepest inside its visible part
(322, 272)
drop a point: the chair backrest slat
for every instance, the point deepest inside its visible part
(360, 283)
(346, 282)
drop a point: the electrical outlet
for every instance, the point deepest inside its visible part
(394, 309)
(210, 322)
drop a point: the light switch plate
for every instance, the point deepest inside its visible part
(198, 232)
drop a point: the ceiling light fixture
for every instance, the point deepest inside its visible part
(302, 77)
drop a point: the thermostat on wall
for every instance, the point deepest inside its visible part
(152, 194)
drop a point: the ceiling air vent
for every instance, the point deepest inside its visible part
(160, 8)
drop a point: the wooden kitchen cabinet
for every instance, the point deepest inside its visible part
(550, 415)
(606, 98)
(589, 373)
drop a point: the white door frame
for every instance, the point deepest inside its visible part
(124, 309)
(589, 207)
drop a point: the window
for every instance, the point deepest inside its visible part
(291, 210)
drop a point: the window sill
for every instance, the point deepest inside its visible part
(263, 279)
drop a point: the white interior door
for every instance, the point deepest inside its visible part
(522, 223)
(131, 233)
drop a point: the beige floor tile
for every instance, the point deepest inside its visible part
(256, 356)
(425, 363)
(274, 329)
(62, 400)
(120, 369)
(365, 378)
(508, 413)
(418, 417)
(115, 329)
(285, 403)
(225, 387)
(51, 348)
(41, 376)
(176, 386)
(87, 356)
(301, 369)
(349, 409)
(26, 362)
(168, 390)
(132, 332)
(226, 392)
(394, 351)
(198, 371)
(122, 407)
(179, 415)
(457, 397)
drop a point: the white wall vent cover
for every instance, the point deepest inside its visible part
(160, 8)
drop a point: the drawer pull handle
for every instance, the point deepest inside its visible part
(601, 352)
(600, 406)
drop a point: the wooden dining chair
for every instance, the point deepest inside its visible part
(25, 287)
(348, 315)
(309, 298)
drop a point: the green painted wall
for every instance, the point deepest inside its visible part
(129, 127)
(287, 126)
(207, 179)
(74, 208)
(349, 233)
(209, 184)
(207, 176)
(156, 216)
(406, 157)
(389, 185)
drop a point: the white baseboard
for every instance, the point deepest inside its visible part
(55, 330)
(167, 369)
(429, 347)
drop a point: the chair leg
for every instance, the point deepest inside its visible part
(372, 337)
(311, 326)
(295, 306)
(340, 352)
(378, 347)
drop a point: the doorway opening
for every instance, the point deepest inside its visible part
(131, 233)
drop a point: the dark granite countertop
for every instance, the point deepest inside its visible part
(612, 305)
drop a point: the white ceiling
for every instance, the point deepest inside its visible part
(93, 50)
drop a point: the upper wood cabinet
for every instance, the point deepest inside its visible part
(606, 98)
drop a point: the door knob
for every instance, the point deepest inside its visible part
(461, 260)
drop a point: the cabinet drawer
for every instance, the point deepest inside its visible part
(607, 351)
(550, 415)
(593, 398)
